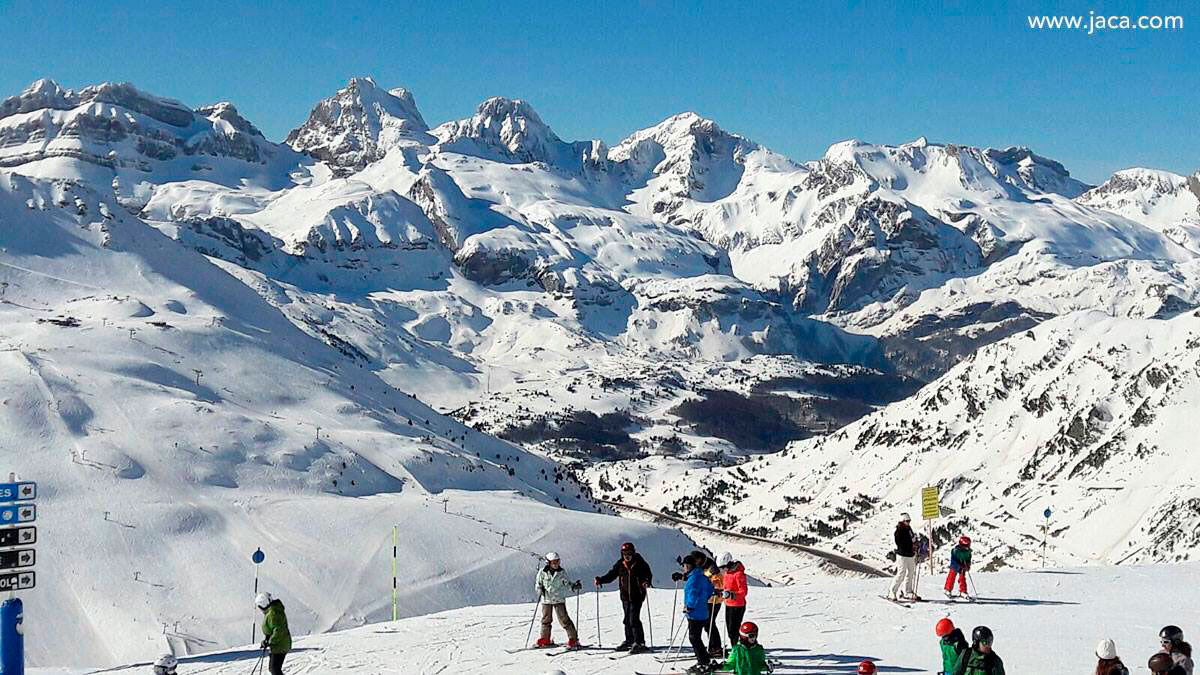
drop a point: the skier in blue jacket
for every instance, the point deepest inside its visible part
(696, 592)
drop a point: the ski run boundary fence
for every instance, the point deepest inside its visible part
(839, 561)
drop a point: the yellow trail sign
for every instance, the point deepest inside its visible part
(930, 508)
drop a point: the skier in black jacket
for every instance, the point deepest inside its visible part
(906, 562)
(633, 577)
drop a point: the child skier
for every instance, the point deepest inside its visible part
(952, 643)
(747, 656)
(552, 587)
(960, 564)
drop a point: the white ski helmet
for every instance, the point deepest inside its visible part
(166, 664)
(725, 559)
(904, 517)
(1107, 649)
(555, 672)
(262, 600)
(551, 556)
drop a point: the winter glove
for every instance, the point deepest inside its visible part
(597, 581)
(576, 585)
(676, 576)
(728, 595)
(265, 643)
(645, 585)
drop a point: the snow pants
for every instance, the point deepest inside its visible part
(906, 576)
(733, 622)
(275, 666)
(548, 612)
(696, 637)
(634, 633)
(714, 634)
(962, 581)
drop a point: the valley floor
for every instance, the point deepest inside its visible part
(1045, 621)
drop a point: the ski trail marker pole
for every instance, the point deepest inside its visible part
(395, 544)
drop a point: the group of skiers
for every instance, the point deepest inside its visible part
(709, 584)
(911, 547)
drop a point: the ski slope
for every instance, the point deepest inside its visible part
(1045, 621)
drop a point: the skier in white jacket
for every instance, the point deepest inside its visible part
(552, 588)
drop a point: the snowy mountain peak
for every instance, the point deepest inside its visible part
(360, 124)
(1161, 200)
(228, 113)
(507, 129)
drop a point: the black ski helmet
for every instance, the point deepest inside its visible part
(1172, 633)
(982, 634)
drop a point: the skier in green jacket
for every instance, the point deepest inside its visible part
(980, 660)
(747, 657)
(960, 564)
(952, 644)
(276, 636)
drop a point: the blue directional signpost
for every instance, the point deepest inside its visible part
(1045, 531)
(257, 558)
(17, 558)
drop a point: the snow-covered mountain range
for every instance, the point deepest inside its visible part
(655, 311)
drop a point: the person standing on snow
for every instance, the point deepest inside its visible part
(552, 587)
(980, 659)
(734, 589)
(276, 636)
(696, 592)
(746, 657)
(1173, 645)
(960, 564)
(1108, 663)
(633, 577)
(906, 561)
(953, 644)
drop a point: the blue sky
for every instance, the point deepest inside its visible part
(795, 76)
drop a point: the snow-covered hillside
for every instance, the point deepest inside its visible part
(825, 626)
(186, 302)
(176, 421)
(1087, 414)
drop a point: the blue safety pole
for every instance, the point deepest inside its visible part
(12, 638)
(257, 558)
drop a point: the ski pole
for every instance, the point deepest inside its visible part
(972, 580)
(676, 648)
(258, 666)
(598, 643)
(536, 606)
(578, 616)
(649, 618)
(674, 603)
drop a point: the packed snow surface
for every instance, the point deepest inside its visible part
(1045, 621)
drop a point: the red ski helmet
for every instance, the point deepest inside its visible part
(964, 540)
(748, 629)
(866, 668)
(944, 627)
(627, 547)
